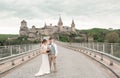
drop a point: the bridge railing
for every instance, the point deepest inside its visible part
(11, 50)
(108, 48)
(111, 50)
(14, 55)
(107, 54)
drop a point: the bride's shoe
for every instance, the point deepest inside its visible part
(41, 74)
(47, 73)
(38, 75)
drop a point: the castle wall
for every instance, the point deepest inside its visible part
(34, 32)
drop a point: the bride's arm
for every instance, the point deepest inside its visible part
(42, 50)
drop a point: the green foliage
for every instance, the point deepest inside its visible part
(112, 37)
(20, 40)
(36, 41)
(63, 38)
(97, 34)
(6, 36)
(69, 37)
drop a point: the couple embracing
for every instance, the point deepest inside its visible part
(49, 54)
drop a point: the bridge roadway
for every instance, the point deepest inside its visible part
(70, 64)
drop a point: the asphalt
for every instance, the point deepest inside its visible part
(70, 64)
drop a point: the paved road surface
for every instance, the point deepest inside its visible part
(70, 64)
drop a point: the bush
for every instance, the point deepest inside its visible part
(18, 41)
(112, 37)
(64, 38)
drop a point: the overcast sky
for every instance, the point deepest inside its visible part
(86, 13)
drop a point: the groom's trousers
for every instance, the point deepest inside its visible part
(52, 61)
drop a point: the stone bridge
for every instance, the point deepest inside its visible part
(72, 62)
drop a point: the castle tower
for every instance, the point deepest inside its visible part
(73, 26)
(23, 28)
(45, 26)
(23, 23)
(60, 24)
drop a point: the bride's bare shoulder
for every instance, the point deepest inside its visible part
(42, 45)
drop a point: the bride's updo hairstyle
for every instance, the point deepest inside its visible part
(44, 41)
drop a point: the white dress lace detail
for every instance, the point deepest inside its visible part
(44, 68)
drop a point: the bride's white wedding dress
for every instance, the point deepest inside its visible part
(45, 68)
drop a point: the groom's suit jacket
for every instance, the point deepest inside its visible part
(53, 49)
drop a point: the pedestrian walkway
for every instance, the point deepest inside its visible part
(70, 64)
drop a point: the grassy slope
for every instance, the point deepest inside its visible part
(5, 36)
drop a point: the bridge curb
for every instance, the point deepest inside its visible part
(23, 62)
(100, 63)
(78, 50)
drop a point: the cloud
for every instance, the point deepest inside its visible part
(42, 8)
(87, 13)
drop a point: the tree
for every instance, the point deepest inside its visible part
(98, 34)
(112, 37)
(64, 38)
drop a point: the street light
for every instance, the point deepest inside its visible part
(23, 39)
(9, 40)
(10, 47)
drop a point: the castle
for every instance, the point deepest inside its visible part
(48, 30)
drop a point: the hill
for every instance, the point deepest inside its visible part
(99, 34)
(6, 36)
(96, 34)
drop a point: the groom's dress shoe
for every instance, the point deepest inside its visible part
(54, 71)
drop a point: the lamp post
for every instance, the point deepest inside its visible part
(23, 39)
(10, 47)
(23, 43)
(8, 41)
(40, 37)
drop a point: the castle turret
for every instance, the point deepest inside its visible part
(60, 24)
(23, 28)
(23, 23)
(45, 26)
(33, 27)
(73, 26)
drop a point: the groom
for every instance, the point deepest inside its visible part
(52, 54)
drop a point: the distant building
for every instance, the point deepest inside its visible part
(90, 39)
(110, 29)
(48, 30)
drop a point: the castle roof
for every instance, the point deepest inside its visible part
(73, 21)
(60, 23)
(23, 21)
(45, 24)
(73, 24)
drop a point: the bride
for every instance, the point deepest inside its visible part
(45, 68)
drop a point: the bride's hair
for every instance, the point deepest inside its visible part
(44, 40)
